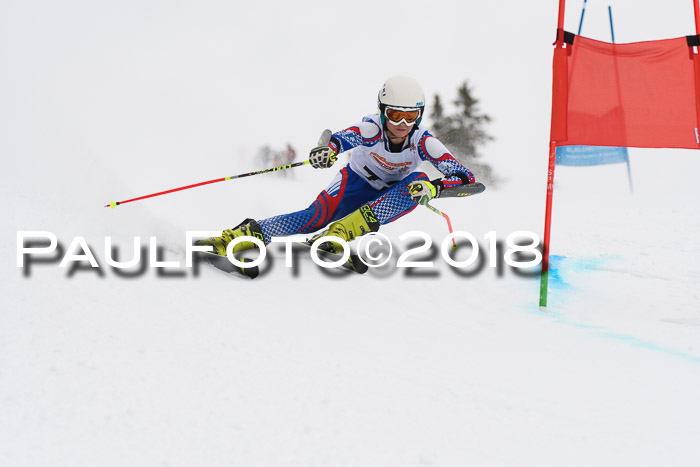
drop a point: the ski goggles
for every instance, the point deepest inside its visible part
(396, 115)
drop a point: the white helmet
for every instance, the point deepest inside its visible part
(403, 92)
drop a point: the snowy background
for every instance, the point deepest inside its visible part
(107, 101)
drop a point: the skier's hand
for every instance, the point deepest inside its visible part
(323, 157)
(422, 191)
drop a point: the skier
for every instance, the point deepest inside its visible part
(289, 155)
(377, 186)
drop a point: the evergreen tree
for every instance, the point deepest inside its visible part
(464, 131)
(437, 115)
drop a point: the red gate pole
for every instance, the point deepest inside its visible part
(544, 275)
(696, 63)
(556, 113)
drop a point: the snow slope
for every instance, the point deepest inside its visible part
(302, 367)
(308, 369)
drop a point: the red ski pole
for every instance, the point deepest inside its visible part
(114, 204)
(449, 222)
(323, 140)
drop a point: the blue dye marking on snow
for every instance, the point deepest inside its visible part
(621, 337)
(563, 269)
(637, 342)
(555, 267)
(558, 263)
(559, 268)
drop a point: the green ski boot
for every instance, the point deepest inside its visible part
(248, 227)
(355, 224)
